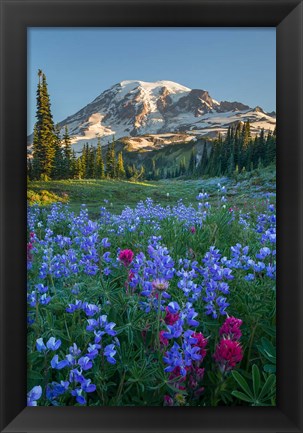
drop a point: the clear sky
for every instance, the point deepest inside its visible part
(233, 64)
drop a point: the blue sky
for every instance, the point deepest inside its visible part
(233, 64)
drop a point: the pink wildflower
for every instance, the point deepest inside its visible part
(176, 374)
(162, 339)
(126, 257)
(228, 354)
(168, 401)
(231, 328)
(193, 229)
(130, 275)
(29, 247)
(201, 342)
(170, 318)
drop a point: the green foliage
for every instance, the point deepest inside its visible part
(262, 392)
(45, 197)
(138, 377)
(268, 351)
(121, 193)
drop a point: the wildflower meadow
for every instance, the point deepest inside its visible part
(155, 305)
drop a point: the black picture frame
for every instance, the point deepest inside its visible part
(287, 17)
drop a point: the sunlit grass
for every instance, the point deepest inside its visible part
(245, 191)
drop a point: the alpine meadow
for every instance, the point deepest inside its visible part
(151, 247)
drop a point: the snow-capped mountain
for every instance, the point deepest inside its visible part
(137, 108)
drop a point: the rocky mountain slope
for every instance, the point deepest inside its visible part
(156, 114)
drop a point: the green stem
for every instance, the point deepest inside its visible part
(66, 327)
(252, 336)
(214, 397)
(120, 387)
(158, 322)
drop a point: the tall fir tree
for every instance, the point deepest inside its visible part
(73, 165)
(58, 168)
(120, 167)
(99, 163)
(111, 161)
(67, 152)
(192, 163)
(203, 162)
(44, 143)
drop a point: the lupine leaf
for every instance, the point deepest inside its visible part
(242, 382)
(267, 386)
(242, 396)
(256, 379)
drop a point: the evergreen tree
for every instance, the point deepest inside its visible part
(153, 173)
(67, 152)
(58, 168)
(182, 167)
(29, 168)
(44, 143)
(82, 166)
(270, 150)
(90, 167)
(246, 135)
(99, 164)
(73, 166)
(192, 163)
(129, 171)
(111, 161)
(120, 167)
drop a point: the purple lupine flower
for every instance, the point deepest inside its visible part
(173, 307)
(41, 288)
(90, 309)
(174, 331)
(40, 345)
(55, 389)
(106, 257)
(109, 329)
(92, 351)
(109, 353)
(85, 363)
(105, 243)
(74, 307)
(44, 300)
(77, 392)
(53, 344)
(58, 365)
(173, 358)
(87, 386)
(33, 395)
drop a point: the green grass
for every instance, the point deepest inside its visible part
(245, 191)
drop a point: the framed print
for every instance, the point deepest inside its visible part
(156, 304)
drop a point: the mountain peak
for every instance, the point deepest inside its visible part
(133, 108)
(153, 84)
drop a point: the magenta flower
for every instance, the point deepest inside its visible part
(126, 257)
(201, 343)
(193, 229)
(163, 340)
(170, 318)
(228, 354)
(168, 401)
(231, 328)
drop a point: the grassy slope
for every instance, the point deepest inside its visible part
(246, 190)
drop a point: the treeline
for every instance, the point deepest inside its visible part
(236, 153)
